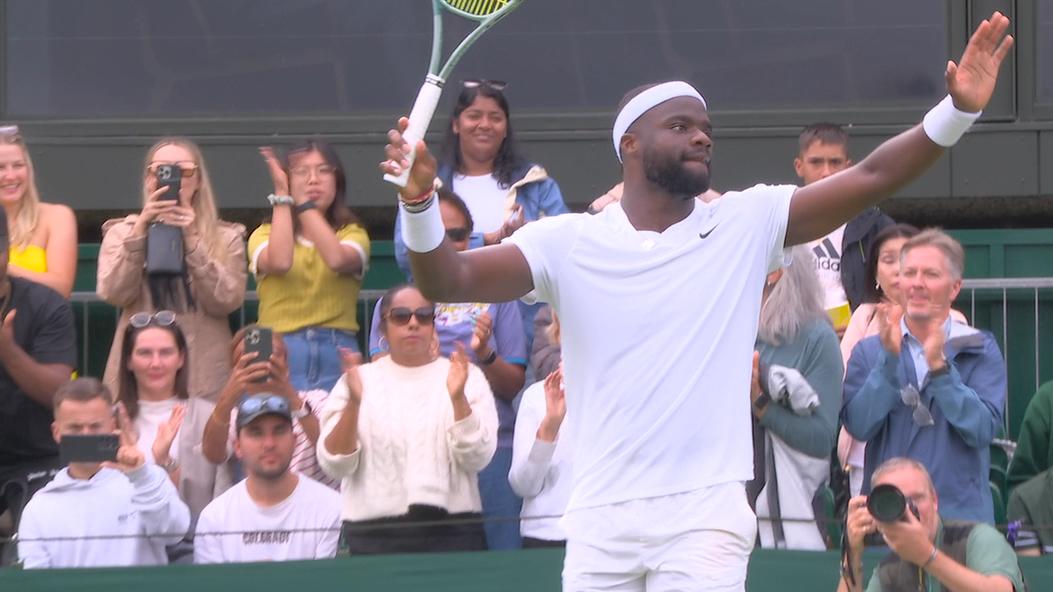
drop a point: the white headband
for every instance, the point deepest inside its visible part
(647, 100)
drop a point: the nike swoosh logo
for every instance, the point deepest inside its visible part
(708, 232)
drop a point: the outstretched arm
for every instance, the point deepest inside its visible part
(821, 207)
(491, 274)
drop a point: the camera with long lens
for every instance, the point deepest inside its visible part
(886, 503)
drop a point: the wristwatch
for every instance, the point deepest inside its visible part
(307, 205)
(302, 412)
(171, 465)
(280, 200)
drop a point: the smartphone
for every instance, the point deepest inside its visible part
(88, 448)
(260, 340)
(170, 176)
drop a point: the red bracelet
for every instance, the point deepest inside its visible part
(420, 198)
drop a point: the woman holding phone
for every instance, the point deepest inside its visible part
(309, 260)
(43, 235)
(212, 282)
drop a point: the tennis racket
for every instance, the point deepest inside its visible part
(487, 13)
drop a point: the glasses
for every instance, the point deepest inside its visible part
(458, 234)
(497, 85)
(401, 315)
(323, 170)
(254, 404)
(920, 413)
(161, 318)
(9, 134)
(186, 169)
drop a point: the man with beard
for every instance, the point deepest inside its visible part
(274, 514)
(659, 300)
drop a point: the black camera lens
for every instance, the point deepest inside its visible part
(887, 503)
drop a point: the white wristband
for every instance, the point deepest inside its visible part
(422, 231)
(945, 124)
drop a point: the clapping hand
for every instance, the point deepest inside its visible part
(889, 316)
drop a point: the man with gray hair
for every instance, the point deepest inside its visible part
(926, 387)
(927, 551)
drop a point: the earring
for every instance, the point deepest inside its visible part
(877, 285)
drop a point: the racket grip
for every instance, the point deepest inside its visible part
(419, 120)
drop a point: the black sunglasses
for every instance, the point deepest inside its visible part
(162, 318)
(497, 85)
(401, 315)
(458, 234)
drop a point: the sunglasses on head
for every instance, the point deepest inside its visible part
(401, 315)
(458, 234)
(10, 134)
(274, 403)
(162, 318)
(186, 169)
(497, 85)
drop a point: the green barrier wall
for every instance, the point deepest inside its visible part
(989, 253)
(496, 571)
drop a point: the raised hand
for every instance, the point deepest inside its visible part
(889, 316)
(274, 167)
(555, 406)
(971, 81)
(166, 434)
(129, 457)
(859, 523)
(907, 538)
(351, 360)
(481, 332)
(458, 375)
(422, 174)
(933, 346)
(248, 375)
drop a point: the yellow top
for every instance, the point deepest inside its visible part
(29, 257)
(310, 294)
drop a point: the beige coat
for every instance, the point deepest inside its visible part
(217, 285)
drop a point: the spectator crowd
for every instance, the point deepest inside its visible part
(450, 418)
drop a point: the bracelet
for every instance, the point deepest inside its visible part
(490, 359)
(422, 230)
(419, 206)
(423, 196)
(932, 557)
(307, 205)
(280, 200)
(945, 124)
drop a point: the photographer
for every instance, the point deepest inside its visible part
(211, 253)
(927, 552)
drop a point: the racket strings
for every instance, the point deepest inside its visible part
(477, 7)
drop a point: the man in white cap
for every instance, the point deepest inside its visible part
(659, 300)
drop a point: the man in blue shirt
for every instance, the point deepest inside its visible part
(929, 388)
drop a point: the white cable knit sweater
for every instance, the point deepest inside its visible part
(410, 450)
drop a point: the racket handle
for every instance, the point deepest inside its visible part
(419, 120)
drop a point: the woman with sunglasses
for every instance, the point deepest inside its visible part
(492, 335)
(43, 235)
(154, 383)
(309, 261)
(796, 398)
(407, 434)
(213, 285)
(481, 163)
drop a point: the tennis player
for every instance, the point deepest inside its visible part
(659, 299)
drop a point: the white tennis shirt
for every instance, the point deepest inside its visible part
(658, 332)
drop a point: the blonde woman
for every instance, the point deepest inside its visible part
(213, 283)
(43, 235)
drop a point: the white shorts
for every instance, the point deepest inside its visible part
(695, 541)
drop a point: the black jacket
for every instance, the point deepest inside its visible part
(855, 246)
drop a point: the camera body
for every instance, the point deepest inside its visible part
(886, 503)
